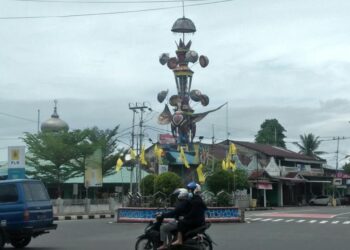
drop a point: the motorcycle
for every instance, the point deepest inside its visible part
(196, 239)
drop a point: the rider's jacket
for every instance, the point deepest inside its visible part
(196, 215)
(182, 208)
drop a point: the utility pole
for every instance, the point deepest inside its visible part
(132, 147)
(142, 108)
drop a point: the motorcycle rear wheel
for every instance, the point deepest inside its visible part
(206, 245)
(144, 244)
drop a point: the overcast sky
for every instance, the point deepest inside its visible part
(288, 60)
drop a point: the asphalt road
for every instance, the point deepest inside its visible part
(288, 229)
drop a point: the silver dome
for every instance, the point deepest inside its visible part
(54, 124)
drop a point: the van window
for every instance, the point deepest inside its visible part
(35, 191)
(8, 193)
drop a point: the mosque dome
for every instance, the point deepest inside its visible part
(54, 124)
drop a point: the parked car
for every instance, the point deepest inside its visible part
(323, 200)
(25, 212)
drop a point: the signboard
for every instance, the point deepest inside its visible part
(167, 139)
(266, 186)
(16, 162)
(162, 169)
(93, 170)
(337, 181)
(16, 157)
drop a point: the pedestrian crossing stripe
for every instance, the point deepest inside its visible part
(298, 221)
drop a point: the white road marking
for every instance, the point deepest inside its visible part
(312, 221)
(300, 221)
(346, 222)
(335, 222)
(277, 220)
(266, 219)
(255, 219)
(323, 222)
(290, 220)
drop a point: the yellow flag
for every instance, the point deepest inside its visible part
(233, 166)
(183, 158)
(223, 165)
(158, 153)
(142, 156)
(232, 150)
(132, 154)
(119, 165)
(196, 151)
(201, 177)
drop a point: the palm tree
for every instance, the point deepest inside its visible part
(309, 144)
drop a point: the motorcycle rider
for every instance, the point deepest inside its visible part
(195, 217)
(182, 207)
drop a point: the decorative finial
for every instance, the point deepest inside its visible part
(55, 109)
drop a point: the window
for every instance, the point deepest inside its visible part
(8, 193)
(35, 191)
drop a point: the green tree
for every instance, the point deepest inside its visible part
(167, 182)
(227, 181)
(148, 184)
(271, 132)
(108, 142)
(346, 168)
(50, 154)
(309, 144)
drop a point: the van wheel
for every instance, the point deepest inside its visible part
(21, 242)
(2, 240)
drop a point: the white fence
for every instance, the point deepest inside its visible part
(85, 206)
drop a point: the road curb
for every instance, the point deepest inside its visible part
(83, 217)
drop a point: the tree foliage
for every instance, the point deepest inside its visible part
(108, 142)
(167, 182)
(227, 181)
(59, 156)
(309, 145)
(50, 154)
(271, 132)
(147, 184)
(346, 168)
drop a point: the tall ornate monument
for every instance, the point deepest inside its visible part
(183, 119)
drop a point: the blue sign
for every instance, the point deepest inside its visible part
(16, 173)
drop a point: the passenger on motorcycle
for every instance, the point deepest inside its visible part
(195, 217)
(182, 207)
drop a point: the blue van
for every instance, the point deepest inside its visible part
(25, 212)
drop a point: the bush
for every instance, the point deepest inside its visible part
(227, 181)
(167, 183)
(147, 185)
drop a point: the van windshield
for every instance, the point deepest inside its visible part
(35, 191)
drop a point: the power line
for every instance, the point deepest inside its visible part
(18, 117)
(109, 2)
(113, 12)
